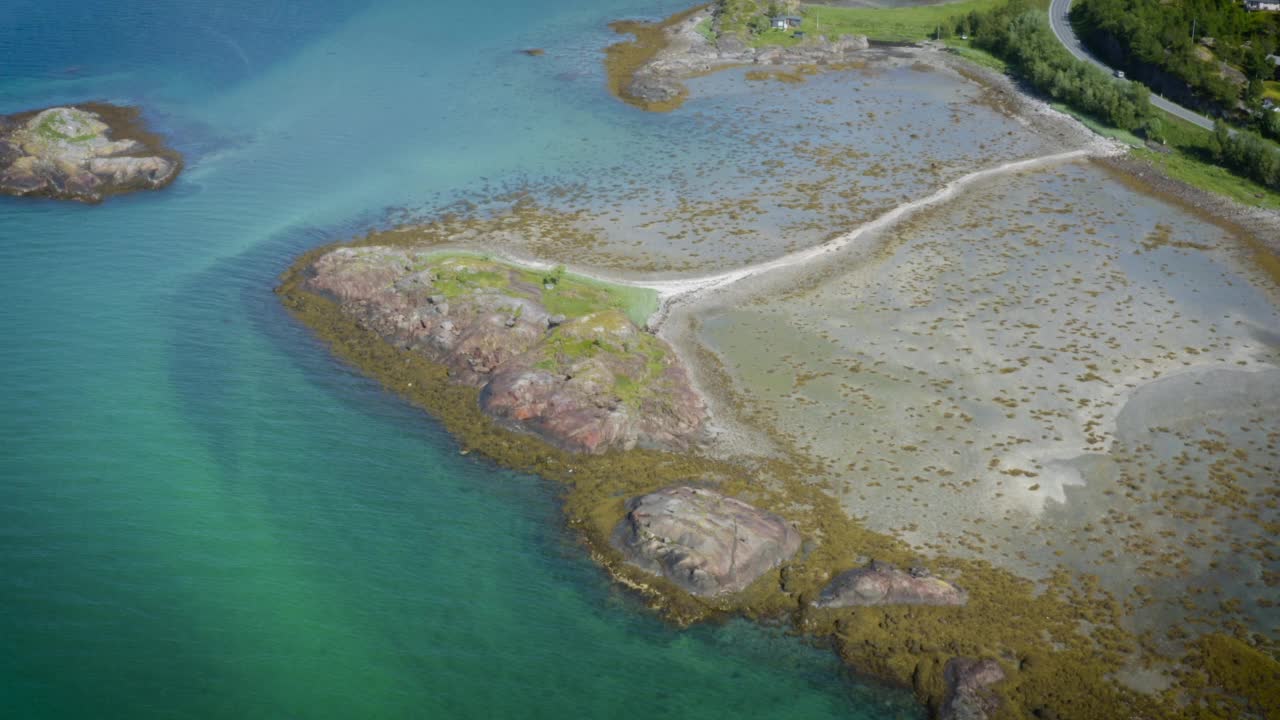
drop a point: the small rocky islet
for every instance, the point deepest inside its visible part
(84, 152)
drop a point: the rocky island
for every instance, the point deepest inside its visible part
(84, 152)
(552, 354)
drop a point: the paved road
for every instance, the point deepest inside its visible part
(1058, 10)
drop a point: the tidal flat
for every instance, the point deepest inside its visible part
(1053, 371)
(748, 170)
(1052, 388)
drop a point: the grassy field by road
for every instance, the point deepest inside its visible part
(1187, 156)
(974, 54)
(902, 24)
(1192, 162)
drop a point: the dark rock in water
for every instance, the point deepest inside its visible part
(883, 584)
(702, 541)
(587, 382)
(968, 696)
(81, 153)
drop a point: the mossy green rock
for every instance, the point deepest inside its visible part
(584, 378)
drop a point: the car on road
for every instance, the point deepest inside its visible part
(1120, 74)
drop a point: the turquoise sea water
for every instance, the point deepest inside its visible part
(201, 513)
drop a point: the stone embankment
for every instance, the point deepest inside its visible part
(81, 153)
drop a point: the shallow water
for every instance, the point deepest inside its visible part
(747, 170)
(202, 514)
(1050, 370)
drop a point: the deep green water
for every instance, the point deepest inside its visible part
(202, 515)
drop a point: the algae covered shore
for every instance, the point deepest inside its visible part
(861, 416)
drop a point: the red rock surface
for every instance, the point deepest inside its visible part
(705, 542)
(590, 383)
(882, 584)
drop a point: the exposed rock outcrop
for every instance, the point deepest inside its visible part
(585, 378)
(702, 541)
(81, 153)
(659, 82)
(883, 584)
(968, 694)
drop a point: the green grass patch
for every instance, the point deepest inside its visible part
(1099, 127)
(1192, 163)
(627, 389)
(567, 348)
(575, 296)
(568, 344)
(1271, 89)
(903, 24)
(562, 293)
(46, 130)
(1189, 159)
(1207, 176)
(706, 29)
(775, 38)
(975, 55)
(457, 275)
(631, 389)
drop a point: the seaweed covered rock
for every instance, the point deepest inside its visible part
(883, 584)
(552, 355)
(81, 153)
(968, 696)
(705, 542)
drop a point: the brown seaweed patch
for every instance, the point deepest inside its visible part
(1250, 676)
(778, 75)
(623, 60)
